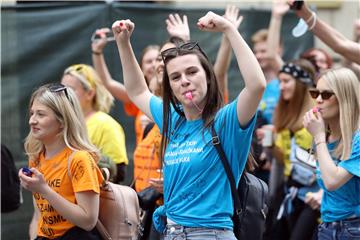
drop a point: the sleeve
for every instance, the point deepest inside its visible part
(86, 176)
(232, 135)
(352, 165)
(130, 109)
(156, 108)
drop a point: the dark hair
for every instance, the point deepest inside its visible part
(214, 99)
(309, 55)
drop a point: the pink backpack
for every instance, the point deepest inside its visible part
(119, 213)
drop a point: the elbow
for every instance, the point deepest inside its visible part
(89, 225)
(331, 185)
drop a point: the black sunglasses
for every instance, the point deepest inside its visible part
(173, 52)
(58, 87)
(325, 95)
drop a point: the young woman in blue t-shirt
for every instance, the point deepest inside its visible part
(335, 124)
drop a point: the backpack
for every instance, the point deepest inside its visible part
(119, 212)
(250, 199)
(10, 184)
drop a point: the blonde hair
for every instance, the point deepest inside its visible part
(344, 83)
(67, 110)
(89, 79)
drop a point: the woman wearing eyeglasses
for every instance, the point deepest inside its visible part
(63, 176)
(197, 194)
(104, 131)
(335, 125)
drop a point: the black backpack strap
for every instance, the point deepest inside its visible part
(220, 150)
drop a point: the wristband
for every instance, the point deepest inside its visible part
(96, 53)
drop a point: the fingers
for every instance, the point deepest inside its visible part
(120, 26)
(207, 22)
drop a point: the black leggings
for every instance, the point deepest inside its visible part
(76, 233)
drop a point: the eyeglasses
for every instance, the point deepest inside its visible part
(325, 95)
(58, 87)
(173, 52)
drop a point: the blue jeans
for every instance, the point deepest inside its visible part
(177, 232)
(348, 229)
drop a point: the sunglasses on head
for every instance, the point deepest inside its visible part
(173, 52)
(325, 95)
(58, 87)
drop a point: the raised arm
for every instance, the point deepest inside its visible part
(223, 58)
(178, 27)
(134, 80)
(116, 88)
(330, 36)
(279, 8)
(249, 97)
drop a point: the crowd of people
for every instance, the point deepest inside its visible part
(310, 110)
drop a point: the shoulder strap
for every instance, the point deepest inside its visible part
(220, 150)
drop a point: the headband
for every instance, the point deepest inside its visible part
(298, 73)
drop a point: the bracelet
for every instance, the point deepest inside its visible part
(96, 53)
(310, 18)
(316, 144)
(313, 23)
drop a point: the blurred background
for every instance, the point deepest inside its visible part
(39, 39)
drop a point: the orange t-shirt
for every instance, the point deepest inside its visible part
(147, 159)
(85, 176)
(132, 110)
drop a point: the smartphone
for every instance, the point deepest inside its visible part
(96, 36)
(27, 171)
(297, 5)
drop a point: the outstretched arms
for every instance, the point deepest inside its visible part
(254, 79)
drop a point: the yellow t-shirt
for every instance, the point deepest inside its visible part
(107, 135)
(85, 176)
(283, 141)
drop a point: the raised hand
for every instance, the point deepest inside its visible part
(178, 27)
(314, 123)
(280, 7)
(212, 22)
(99, 44)
(122, 30)
(232, 14)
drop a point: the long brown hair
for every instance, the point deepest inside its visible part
(213, 98)
(288, 113)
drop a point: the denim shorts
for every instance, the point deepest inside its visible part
(348, 229)
(177, 232)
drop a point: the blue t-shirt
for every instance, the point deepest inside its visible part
(270, 99)
(196, 189)
(342, 203)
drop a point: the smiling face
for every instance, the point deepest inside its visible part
(260, 51)
(43, 123)
(287, 86)
(186, 75)
(148, 63)
(329, 108)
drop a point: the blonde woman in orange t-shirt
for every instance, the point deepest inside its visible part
(63, 174)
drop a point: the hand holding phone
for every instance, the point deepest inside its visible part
(27, 171)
